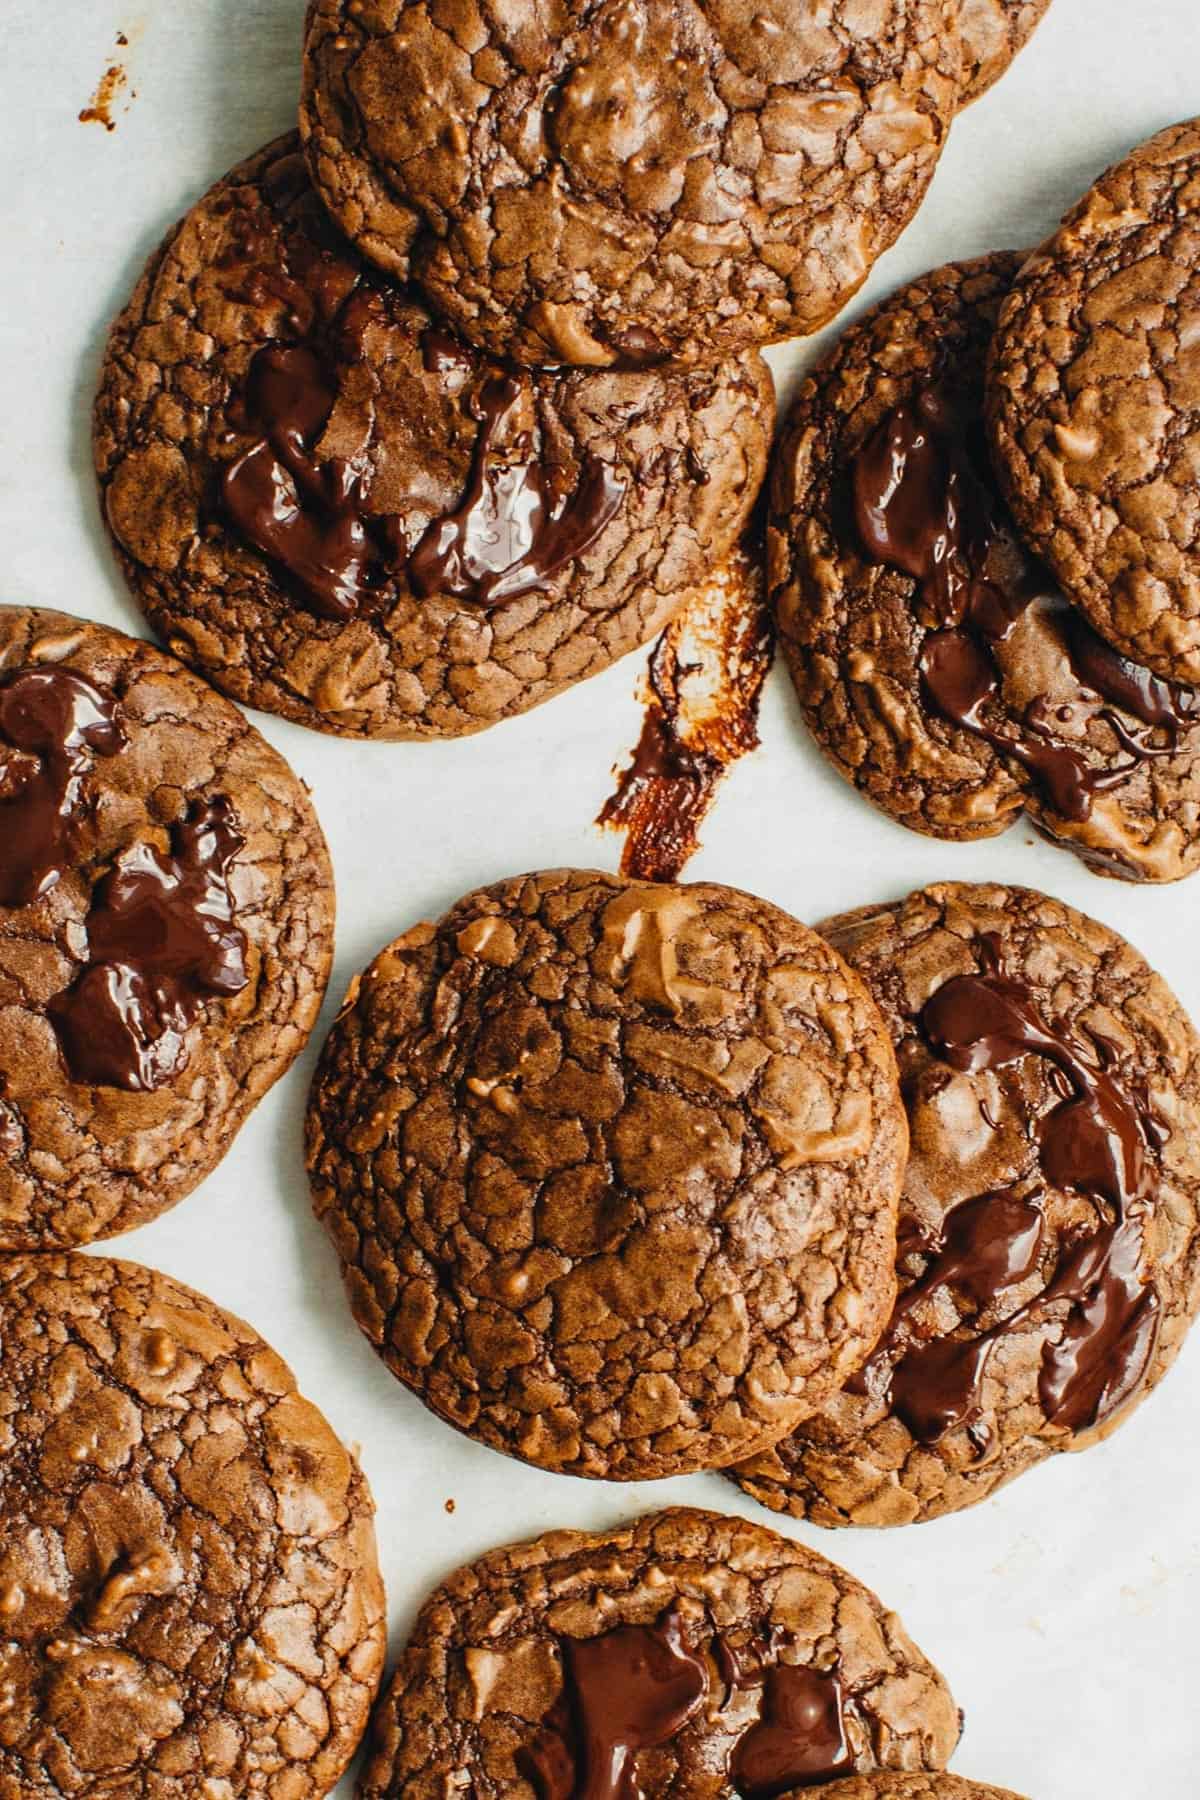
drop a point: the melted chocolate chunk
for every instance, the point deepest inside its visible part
(925, 504)
(800, 1738)
(162, 940)
(514, 528)
(53, 723)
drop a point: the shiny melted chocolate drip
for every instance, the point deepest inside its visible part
(52, 723)
(161, 940)
(1094, 1142)
(800, 1738)
(925, 504)
(514, 527)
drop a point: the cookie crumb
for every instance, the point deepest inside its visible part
(450, 1505)
(99, 109)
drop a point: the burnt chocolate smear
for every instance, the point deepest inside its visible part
(53, 723)
(926, 505)
(162, 940)
(519, 521)
(1098, 1142)
(704, 684)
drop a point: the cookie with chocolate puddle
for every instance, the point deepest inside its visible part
(938, 665)
(612, 1170)
(1049, 1260)
(166, 923)
(686, 1653)
(335, 511)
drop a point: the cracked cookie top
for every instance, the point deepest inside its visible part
(913, 1787)
(336, 511)
(992, 33)
(166, 928)
(1094, 403)
(685, 1654)
(638, 179)
(611, 1168)
(189, 1596)
(1049, 1259)
(938, 664)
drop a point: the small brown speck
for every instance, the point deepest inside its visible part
(449, 1506)
(122, 40)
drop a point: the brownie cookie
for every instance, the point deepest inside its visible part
(630, 181)
(1049, 1256)
(992, 33)
(612, 1170)
(685, 1654)
(166, 928)
(335, 511)
(1094, 404)
(913, 1787)
(190, 1602)
(937, 663)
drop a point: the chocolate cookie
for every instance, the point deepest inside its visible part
(1050, 1241)
(1094, 404)
(612, 1170)
(189, 1597)
(631, 181)
(335, 511)
(913, 1787)
(684, 1654)
(166, 923)
(992, 33)
(937, 663)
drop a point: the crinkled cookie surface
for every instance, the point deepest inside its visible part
(727, 1616)
(189, 1596)
(993, 31)
(913, 1787)
(611, 1168)
(591, 184)
(335, 511)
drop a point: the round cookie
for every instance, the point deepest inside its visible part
(958, 690)
(630, 181)
(189, 1596)
(1094, 404)
(166, 926)
(992, 33)
(1049, 1256)
(612, 1170)
(686, 1653)
(912, 1787)
(335, 511)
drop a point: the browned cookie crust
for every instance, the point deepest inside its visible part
(189, 1596)
(738, 1612)
(992, 32)
(1094, 403)
(335, 511)
(958, 1399)
(87, 1155)
(611, 1169)
(913, 1787)
(1104, 758)
(639, 179)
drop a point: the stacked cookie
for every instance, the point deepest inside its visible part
(985, 548)
(426, 414)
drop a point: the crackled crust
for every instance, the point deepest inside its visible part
(189, 1596)
(482, 1668)
(611, 1169)
(1094, 403)
(857, 1464)
(852, 638)
(992, 33)
(575, 183)
(691, 447)
(86, 1162)
(910, 1787)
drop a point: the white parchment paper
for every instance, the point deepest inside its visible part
(1066, 1612)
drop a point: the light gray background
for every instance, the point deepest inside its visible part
(1066, 1612)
